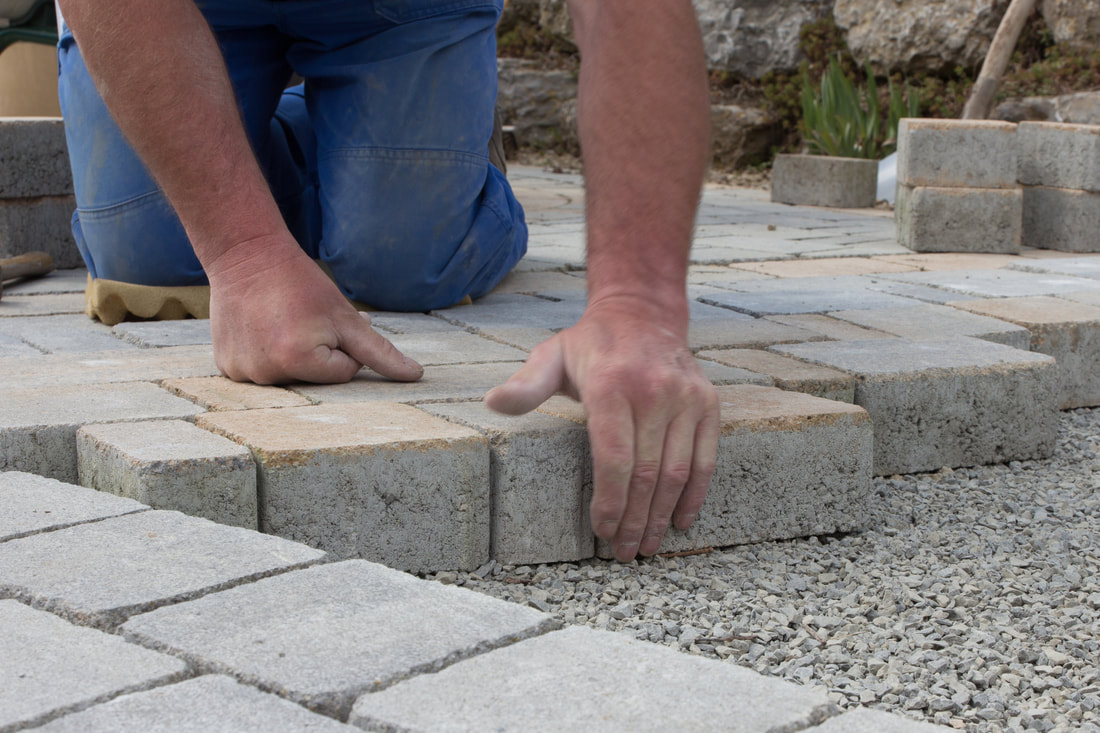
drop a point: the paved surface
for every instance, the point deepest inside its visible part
(840, 355)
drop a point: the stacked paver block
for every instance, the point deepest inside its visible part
(1067, 331)
(541, 484)
(171, 464)
(36, 190)
(955, 402)
(1060, 170)
(381, 481)
(325, 635)
(789, 465)
(957, 188)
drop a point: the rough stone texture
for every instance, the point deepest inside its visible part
(790, 374)
(1086, 266)
(804, 296)
(1000, 283)
(1080, 108)
(934, 35)
(753, 37)
(323, 636)
(450, 383)
(933, 219)
(107, 367)
(30, 504)
(956, 402)
(822, 180)
(155, 334)
(38, 426)
(1067, 331)
(541, 482)
(956, 153)
(1059, 155)
(1076, 22)
(865, 720)
(741, 136)
(51, 666)
(929, 321)
(42, 224)
(1062, 219)
(218, 393)
(540, 104)
(99, 574)
(612, 683)
(63, 334)
(171, 464)
(207, 704)
(789, 465)
(34, 159)
(381, 481)
(453, 347)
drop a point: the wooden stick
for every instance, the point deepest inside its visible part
(996, 61)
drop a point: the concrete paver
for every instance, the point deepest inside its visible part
(63, 333)
(206, 704)
(928, 321)
(325, 635)
(50, 666)
(866, 720)
(218, 393)
(171, 464)
(1062, 219)
(382, 481)
(1059, 155)
(996, 283)
(790, 374)
(99, 574)
(611, 683)
(30, 504)
(804, 295)
(934, 219)
(153, 334)
(447, 383)
(957, 153)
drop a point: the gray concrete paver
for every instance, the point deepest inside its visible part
(30, 504)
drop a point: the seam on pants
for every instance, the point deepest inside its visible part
(137, 202)
(442, 155)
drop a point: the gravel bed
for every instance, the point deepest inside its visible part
(973, 601)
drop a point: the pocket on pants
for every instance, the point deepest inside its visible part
(404, 11)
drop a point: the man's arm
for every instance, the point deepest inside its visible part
(275, 316)
(652, 415)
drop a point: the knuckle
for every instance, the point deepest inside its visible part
(645, 475)
(677, 473)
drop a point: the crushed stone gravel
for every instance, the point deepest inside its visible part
(971, 601)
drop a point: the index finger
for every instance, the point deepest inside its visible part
(371, 349)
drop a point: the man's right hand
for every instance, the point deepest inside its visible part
(276, 317)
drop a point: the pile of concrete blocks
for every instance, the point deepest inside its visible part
(957, 186)
(1060, 173)
(36, 190)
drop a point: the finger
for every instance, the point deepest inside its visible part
(649, 440)
(368, 347)
(702, 466)
(676, 466)
(541, 377)
(611, 435)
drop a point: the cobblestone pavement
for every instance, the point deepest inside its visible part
(241, 565)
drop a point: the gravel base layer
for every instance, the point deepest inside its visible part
(973, 601)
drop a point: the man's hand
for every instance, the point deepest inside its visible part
(276, 318)
(652, 417)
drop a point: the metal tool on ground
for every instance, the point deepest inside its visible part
(31, 264)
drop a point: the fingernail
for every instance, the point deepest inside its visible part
(651, 544)
(626, 551)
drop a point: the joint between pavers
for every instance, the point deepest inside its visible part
(56, 527)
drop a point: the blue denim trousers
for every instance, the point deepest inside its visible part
(379, 161)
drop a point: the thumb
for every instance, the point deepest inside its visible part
(539, 379)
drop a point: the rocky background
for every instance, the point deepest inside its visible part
(757, 50)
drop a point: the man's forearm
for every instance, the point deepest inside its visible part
(159, 70)
(644, 128)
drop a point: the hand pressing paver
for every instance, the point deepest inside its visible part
(218, 393)
(101, 573)
(789, 465)
(865, 720)
(928, 321)
(323, 636)
(580, 679)
(206, 704)
(957, 402)
(1067, 331)
(171, 464)
(789, 374)
(38, 426)
(382, 481)
(30, 504)
(50, 667)
(541, 482)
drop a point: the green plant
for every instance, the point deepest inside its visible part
(846, 121)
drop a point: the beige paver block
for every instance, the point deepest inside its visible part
(107, 367)
(38, 426)
(453, 347)
(936, 261)
(537, 282)
(789, 465)
(448, 383)
(789, 374)
(171, 464)
(830, 328)
(217, 394)
(1068, 331)
(381, 481)
(825, 267)
(932, 321)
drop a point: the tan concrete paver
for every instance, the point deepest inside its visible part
(828, 327)
(447, 383)
(934, 261)
(381, 481)
(217, 394)
(107, 367)
(789, 374)
(829, 267)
